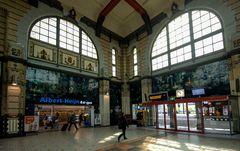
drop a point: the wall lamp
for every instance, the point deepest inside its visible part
(14, 80)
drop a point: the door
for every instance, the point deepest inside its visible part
(160, 116)
(217, 117)
(195, 117)
(170, 116)
(182, 116)
(166, 116)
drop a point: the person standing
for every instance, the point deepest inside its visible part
(80, 119)
(72, 121)
(122, 124)
(56, 121)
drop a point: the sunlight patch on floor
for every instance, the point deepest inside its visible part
(109, 138)
(195, 147)
(160, 141)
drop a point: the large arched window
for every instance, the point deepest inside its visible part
(64, 34)
(191, 35)
(114, 71)
(135, 62)
(69, 36)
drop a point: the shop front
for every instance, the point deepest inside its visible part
(48, 113)
(200, 115)
(51, 93)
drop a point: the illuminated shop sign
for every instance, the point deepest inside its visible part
(161, 96)
(48, 100)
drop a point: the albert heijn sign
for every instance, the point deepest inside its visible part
(63, 101)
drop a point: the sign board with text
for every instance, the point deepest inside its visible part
(161, 96)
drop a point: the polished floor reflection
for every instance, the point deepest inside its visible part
(178, 142)
(105, 138)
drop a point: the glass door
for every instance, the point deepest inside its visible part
(182, 116)
(170, 116)
(195, 116)
(160, 116)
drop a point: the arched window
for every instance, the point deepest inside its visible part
(191, 35)
(45, 30)
(135, 62)
(51, 29)
(88, 49)
(69, 36)
(114, 72)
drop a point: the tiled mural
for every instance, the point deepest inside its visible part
(49, 87)
(135, 92)
(115, 102)
(212, 77)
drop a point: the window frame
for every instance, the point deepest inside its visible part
(219, 45)
(135, 62)
(57, 45)
(114, 62)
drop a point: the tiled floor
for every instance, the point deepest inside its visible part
(105, 138)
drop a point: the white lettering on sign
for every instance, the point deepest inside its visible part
(49, 100)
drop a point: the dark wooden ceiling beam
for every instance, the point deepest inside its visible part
(143, 14)
(103, 14)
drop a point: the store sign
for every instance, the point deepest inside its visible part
(31, 123)
(162, 96)
(48, 100)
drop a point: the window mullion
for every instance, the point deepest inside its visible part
(168, 46)
(58, 39)
(191, 35)
(209, 35)
(80, 48)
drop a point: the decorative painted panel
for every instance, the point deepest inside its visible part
(69, 60)
(90, 65)
(15, 50)
(213, 77)
(135, 92)
(41, 52)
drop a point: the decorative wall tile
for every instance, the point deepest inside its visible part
(43, 53)
(213, 77)
(70, 60)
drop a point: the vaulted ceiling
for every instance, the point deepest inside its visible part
(120, 16)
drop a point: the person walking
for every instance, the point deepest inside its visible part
(72, 121)
(122, 124)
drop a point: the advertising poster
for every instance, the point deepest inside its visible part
(31, 123)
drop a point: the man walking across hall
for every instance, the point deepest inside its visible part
(72, 121)
(122, 124)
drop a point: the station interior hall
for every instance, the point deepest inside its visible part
(71, 70)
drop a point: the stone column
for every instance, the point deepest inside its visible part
(126, 108)
(234, 78)
(125, 68)
(146, 86)
(104, 102)
(14, 82)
